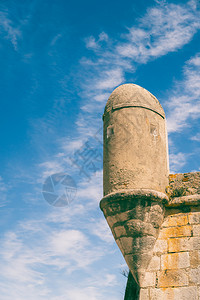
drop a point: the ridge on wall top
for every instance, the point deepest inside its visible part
(132, 95)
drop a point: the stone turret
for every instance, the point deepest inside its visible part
(135, 141)
(135, 172)
(150, 217)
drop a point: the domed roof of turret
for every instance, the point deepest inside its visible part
(132, 95)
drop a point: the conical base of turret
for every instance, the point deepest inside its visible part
(135, 217)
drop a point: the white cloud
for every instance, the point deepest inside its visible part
(12, 32)
(184, 101)
(164, 28)
(102, 230)
(50, 167)
(65, 241)
(3, 192)
(91, 43)
(111, 78)
(103, 36)
(177, 161)
(56, 38)
(91, 189)
(34, 254)
(196, 137)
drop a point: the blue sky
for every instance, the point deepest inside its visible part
(60, 60)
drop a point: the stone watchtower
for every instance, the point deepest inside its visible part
(154, 217)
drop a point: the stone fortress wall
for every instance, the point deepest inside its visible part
(154, 217)
(174, 270)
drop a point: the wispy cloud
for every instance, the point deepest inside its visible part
(196, 137)
(50, 167)
(101, 229)
(3, 192)
(177, 161)
(184, 101)
(11, 31)
(34, 249)
(165, 28)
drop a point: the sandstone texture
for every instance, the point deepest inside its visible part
(135, 141)
(173, 271)
(154, 217)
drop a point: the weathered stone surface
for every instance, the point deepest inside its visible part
(160, 246)
(196, 230)
(176, 232)
(144, 294)
(161, 294)
(142, 244)
(187, 201)
(196, 243)
(135, 230)
(138, 262)
(185, 293)
(183, 184)
(177, 220)
(119, 231)
(194, 276)
(181, 293)
(147, 279)
(154, 219)
(175, 261)
(154, 264)
(194, 218)
(135, 141)
(138, 228)
(170, 278)
(194, 259)
(180, 244)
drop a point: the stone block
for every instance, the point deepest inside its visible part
(137, 244)
(162, 294)
(119, 244)
(194, 218)
(185, 293)
(147, 279)
(144, 294)
(156, 216)
(196, 230)
(154, 264)
(175, 261)
(111, 220)
(179, 293)
(127, 244)
(177, 220)
(194, 276)
(119, 231)
(160, 246)
(138, 261)
(138, 227)
(180, 244)
(170, 278)
(194, 259)
(179, 231)
(196, 243)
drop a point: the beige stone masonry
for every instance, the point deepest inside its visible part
(154, 217)
(173, 272)
(176, 258)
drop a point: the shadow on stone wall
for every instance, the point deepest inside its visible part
(132, 289)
